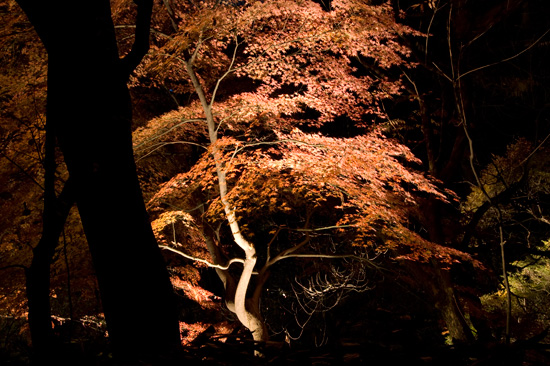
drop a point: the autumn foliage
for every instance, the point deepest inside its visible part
(267, 85)
(264, 123)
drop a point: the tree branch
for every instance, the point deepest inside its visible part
(169, 130)
(162, 144)
(22, 170)
(493, 201)
(20, 266)
(141, 40)
(506, 59)
(171, 14)
(324, 228)
(229, 70)
(196, 259)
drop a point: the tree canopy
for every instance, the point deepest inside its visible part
(299, 158)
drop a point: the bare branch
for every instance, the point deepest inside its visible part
(364, 260)
(169, 130)
(508, 58)
(287, 253)
(162, 144)
(171, 14)
(229, 71)
(196, 259)
(428, 32)
(331, 256)
(538, 215)
(271, 242)
(324, 291)
(442, 73)
(449, 41)
(325, 228)
(20, 266)
(534, 150)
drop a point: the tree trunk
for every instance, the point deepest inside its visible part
(56, 211)
(449, 308)
(90, 109)
(248, 310)
(437, 285)
(250, 318)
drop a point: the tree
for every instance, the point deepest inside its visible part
(89, 113)
(480, 67)
(513, 196)
(269, 82)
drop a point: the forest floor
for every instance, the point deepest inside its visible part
(238, 350)
(374, 337)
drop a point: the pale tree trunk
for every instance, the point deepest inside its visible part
(247, 311)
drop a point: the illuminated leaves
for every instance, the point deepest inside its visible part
(289, 55)
(266, 69)
(307, 54)
(501, 173)
(517, 184)
(356, 183)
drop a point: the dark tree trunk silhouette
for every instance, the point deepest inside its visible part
(56, 210)
(89, 110)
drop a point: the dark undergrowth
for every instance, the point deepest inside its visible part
(237, 349)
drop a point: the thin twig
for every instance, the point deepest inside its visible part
(508, 58)
(161, 145)
(168, 130)
(534, 150)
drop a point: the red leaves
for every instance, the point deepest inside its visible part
(311, 52)
(299, 56)
(353, 181)
(288, 64)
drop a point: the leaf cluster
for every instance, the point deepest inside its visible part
(517, 186)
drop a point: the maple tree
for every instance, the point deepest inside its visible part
(282, 109)
(270, 181)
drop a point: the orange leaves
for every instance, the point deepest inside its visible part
(300, 46)
(183, 125)
(177, 229)
(267, 69)
(194, 292)
(299, 56)
(358, 181)
(360, 170)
